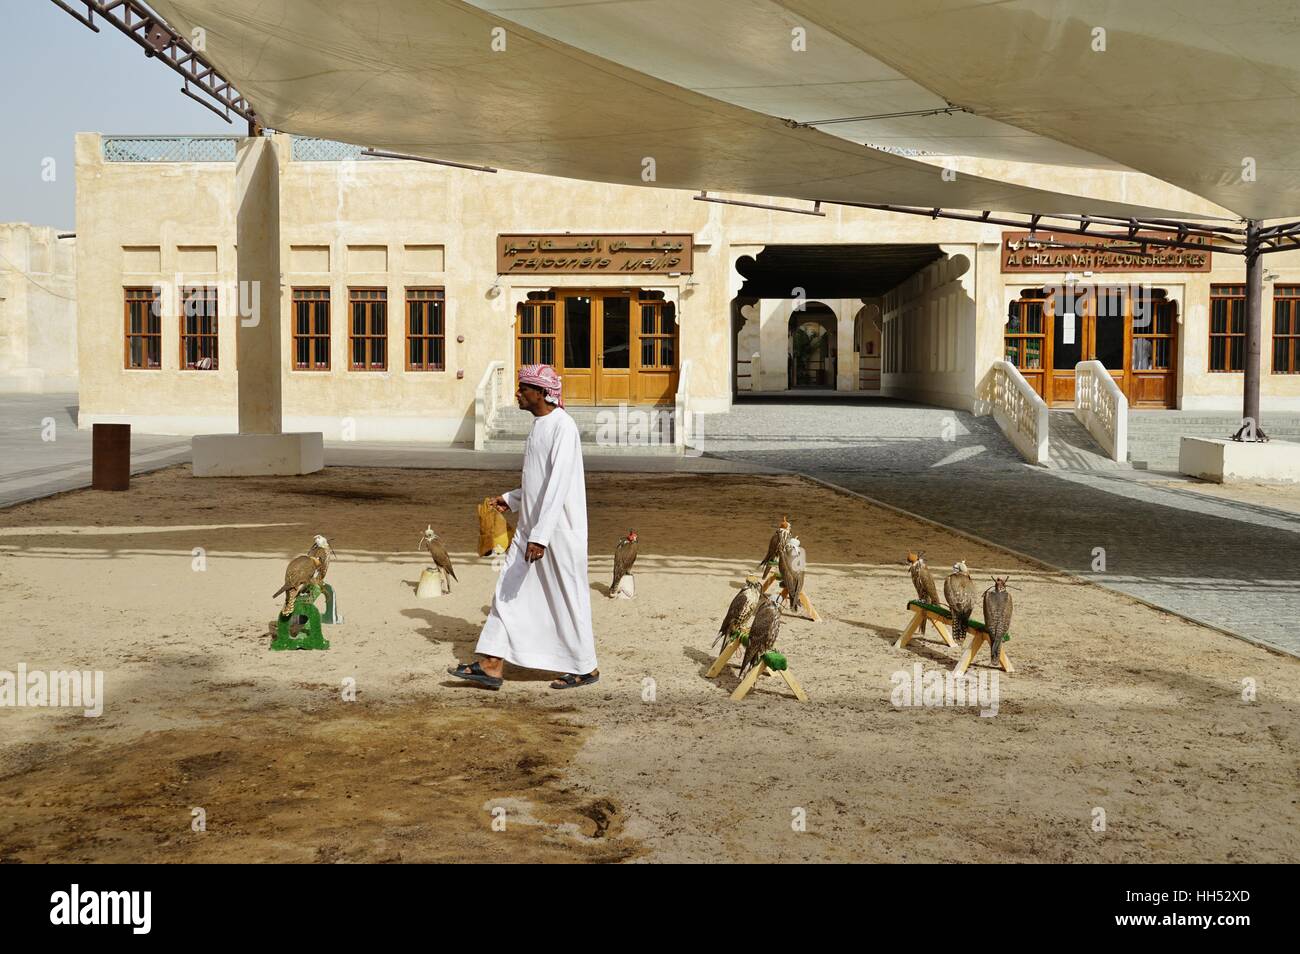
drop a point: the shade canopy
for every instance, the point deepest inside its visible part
(757, 54)
(448, 80)
(1201, 93)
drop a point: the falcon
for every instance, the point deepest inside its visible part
(926, 591)
(762, 632)
(322, 551)
(959, 594)
(300, 572)
(791, 562)
(624, 557)
(777, 542)
(997, 616)
(741, 610)
(433, 543)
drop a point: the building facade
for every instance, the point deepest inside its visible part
(403, 284)
(38, 310)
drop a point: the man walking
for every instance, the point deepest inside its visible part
(541, 612)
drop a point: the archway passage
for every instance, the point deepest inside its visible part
(832, 271)
(866, 342)
(812, 348)
(836, 282)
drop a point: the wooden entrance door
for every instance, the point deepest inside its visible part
(1067, 345)
(1095, 326)
(1153, 353)
(614, 371)
(610, 346)
(1132, 333)
(576, 366)
(655, 350)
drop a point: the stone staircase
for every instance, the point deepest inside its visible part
(634, 430)
(1071, 447)
(1153, 436)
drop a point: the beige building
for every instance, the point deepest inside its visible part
(38, 310)
(410, 291)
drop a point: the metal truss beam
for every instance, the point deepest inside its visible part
(1138, 232)
(152, 34)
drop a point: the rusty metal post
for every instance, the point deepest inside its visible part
(110, 467)
(1251, 426)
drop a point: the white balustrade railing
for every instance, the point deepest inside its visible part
(1102, 408)
(1018, 409)
(489, 397)
(683, 418)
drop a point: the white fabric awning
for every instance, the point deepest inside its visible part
(1195, 92)
(425, 77)
(746, 52)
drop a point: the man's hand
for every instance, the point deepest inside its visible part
(500, 504)
(534, 552)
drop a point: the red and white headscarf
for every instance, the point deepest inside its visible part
(546, 378)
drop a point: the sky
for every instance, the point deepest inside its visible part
(58, 78)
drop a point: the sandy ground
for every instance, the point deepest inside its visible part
(1276, 496)
(1114, 707)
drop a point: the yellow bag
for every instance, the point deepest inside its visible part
(493, 531)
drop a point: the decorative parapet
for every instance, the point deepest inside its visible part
(683, 422)
(307, 149)
(217, 149)
(1018, 409)
(169, 148)
(1102, 408)
(489, 397)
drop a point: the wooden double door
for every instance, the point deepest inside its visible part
(1132, 331)
(611, 346)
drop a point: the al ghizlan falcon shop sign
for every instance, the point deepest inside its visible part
(642, 254)
(1054, 251)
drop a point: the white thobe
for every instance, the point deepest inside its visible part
(541, 612)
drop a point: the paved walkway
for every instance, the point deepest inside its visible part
(31, 468)
(43, 453)
(1232, 565)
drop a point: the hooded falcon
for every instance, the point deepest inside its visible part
(624, 557)
(997, 616)
(959, 594)
(322, 551)
(433, 543)
(778, 541)
(791, 562)
(297, 575)
(741, 610)
(762, 632)
(926, 591)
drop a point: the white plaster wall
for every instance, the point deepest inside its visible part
(38, 309)
(929, 339)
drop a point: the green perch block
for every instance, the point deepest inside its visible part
(312, 638)
(972, 623)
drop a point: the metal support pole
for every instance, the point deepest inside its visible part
(1251, 429)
